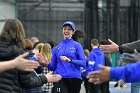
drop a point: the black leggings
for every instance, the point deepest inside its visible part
(67, 85)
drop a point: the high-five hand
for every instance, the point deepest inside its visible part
(98, 77)
(113, 47)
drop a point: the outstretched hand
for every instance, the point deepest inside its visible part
(53, 77)
(113, 47)
(101, 76)
(42, 59)
(24, 64)
(129, 58)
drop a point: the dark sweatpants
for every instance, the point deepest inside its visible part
(105, 87)
(94, 88)
(67, 85)
(99, 88)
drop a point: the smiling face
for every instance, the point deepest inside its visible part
(67, 31)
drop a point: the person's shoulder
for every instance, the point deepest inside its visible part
(76, 43)
(57, 47)
(91, 52)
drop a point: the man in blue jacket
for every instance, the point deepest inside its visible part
(96, 57)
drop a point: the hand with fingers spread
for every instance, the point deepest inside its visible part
(53, 77)
(98, 77)
(23, 64)
(113, 47)
(20, 63)
(131, 58)
(42, 59)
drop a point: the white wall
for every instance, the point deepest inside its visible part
(7, 11)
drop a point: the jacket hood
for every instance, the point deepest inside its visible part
(8, 51)
(97, 51)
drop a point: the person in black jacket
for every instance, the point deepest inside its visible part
(11, 45)
(39, 70)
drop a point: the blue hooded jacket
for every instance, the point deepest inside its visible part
(129, 73)
(96, 57)
(74, 51)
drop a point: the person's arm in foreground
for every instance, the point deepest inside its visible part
(20, 63)
(128, 47)
(128, 73)
(129, 58)
(113, 47)
(27, 81)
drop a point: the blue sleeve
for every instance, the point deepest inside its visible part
(129, 73)
(53, 64)
(39, 70)
(91, 62)
(32, 58)
(91, 57)
(80, 61)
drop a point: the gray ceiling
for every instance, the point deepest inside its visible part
(68, 5)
